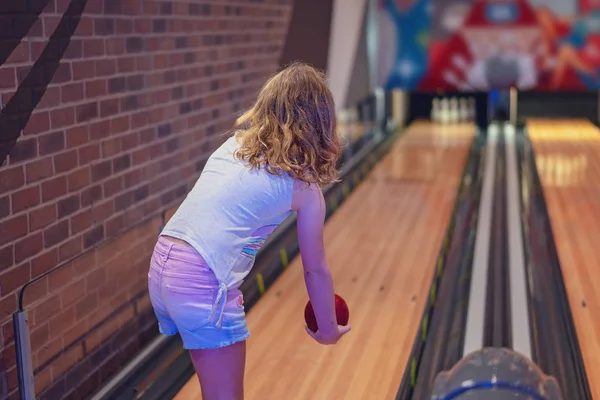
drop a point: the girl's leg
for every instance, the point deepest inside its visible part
(221, 371)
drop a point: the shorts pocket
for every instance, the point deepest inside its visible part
(190, 307)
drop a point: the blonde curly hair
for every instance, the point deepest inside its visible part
(292, 127)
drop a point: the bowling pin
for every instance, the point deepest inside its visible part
(454, 110)
(463, 110)
(444, 110)
(435, 110)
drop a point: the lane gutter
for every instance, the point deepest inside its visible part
(554, 343)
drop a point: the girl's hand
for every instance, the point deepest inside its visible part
(329, 338)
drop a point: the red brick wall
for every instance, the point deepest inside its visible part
(136, 99)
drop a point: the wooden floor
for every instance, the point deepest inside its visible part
(568, 161)
(381, 245)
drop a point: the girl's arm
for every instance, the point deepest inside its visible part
(310, 206)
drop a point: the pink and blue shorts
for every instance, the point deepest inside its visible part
(187, 299)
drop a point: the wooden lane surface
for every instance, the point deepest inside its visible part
(568, 130)
(569, 169)
(382, 245)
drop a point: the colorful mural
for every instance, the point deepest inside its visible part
(473, 45)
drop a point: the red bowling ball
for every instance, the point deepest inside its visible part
(341, 311)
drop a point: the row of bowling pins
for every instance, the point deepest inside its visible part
(452, 110)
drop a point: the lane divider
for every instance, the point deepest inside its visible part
(261, 283)
(440, 266)
(474, 327)
(521, 334)
(284, 257)
(413, 372)
(432, 297)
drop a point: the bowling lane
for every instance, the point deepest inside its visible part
(381, 244)
(567, 155)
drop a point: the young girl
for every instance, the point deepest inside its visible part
(285, 148)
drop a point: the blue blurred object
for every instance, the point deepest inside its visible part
(487, 385)
(495, 374)
(502, 13)
(494, 98)
(412, 30)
